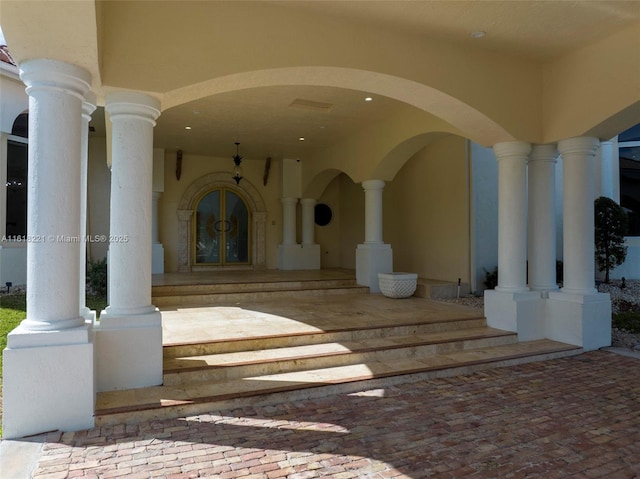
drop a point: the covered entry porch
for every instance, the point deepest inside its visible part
(288, 342)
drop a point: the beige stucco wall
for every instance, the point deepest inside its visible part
(328, 237)
(194, 167)
(351, 220)
(14, 99)
(574, 107)
(426, 217)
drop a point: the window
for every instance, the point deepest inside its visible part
(16, 187)
(629, 149)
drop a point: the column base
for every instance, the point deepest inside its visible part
(298, 256)
(128, 351)
(157, 258)
(48, 381)
(89, 315)
(372, 259)
(520, 312)
(580, 319)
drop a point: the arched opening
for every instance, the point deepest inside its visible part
(222, 229)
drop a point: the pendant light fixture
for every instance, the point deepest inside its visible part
(237, 169)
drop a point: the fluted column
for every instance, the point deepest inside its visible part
(133, 117)
(308, 220)
(578, 157)
(542, 218)
(88, 107)
(56, 94)
(373, 211)
(289, 221)
(512, 215)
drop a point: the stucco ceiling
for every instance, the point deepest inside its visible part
(541, 30)
(270, 121)
(261, 119)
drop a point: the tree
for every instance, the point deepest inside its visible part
(610, 227)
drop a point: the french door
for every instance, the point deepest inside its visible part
(222, 229)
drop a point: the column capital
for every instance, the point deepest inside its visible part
(289, 200)
(373, 184)
(511, 149)
(89, 105)
(123, 104)
(46, 74)
(586, 145)
(548, 152)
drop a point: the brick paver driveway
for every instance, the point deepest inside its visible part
(574, 417)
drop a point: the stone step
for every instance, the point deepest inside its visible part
(250, 286)
(136, 405)
(436, 289)
(335, 335)
(214, 297)
(226, 366)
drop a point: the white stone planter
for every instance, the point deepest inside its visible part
(397, 285)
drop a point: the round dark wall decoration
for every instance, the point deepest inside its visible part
(323, 214)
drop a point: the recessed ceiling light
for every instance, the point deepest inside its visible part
(187, 127)
(301, 138)
(368, 99)
(478, 34)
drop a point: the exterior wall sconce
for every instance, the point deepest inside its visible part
(237, 169)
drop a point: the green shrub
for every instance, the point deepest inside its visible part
(610, 227)
(629, 321)
(97, 277)
(491, 278)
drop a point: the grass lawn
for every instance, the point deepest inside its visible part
(13, 309)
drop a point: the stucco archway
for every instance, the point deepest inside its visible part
(468, 120)
(187, 205)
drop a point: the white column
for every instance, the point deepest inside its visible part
(608, 173)
(542, 218)
(88, 107)
(129, 335)
(373, 257)
(578, 314)
(155, 224)
(578, 159)
(512, 215)
(289, 221)
(133, 117)
(157, 250)
(308, 220)
(49, 360)
(512, 306)
(56, 94)
(373, 211)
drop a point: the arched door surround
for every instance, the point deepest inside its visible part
(188, 205)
